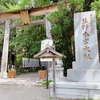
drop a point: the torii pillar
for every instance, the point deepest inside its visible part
(48, 34)
(4, 61)
(48, 28)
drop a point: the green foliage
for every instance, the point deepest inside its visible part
(7, 5)
(24, 40)
(76, 5)
(44, 82)
(53, 18)
(63, 29)
(19, 59)
(12, 7)
(25, 3)
(41, 2)
(16, 4)
(28, 39)
(87, 5)
(96, 6)
(1, 39)
(54, 0)
(56, 29)
(75, 2)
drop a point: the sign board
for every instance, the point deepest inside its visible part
(44, 44)
(86, 44)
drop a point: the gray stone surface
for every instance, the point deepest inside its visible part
(76, 90)
(58, 73)
(24, 87)
(19, 92)
(29, 79)
(86, 68)
(86, 44)
(84, 75)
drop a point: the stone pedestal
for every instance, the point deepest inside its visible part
(85, 75)
(58, 73)
(76, 90)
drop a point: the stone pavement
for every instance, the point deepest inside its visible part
(24, 87)
(29, 79)
(19, 92)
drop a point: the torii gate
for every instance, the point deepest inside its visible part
(25, 15)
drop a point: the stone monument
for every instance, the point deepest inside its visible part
(83, 81)
(86, 49)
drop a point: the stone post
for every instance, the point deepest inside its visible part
(48, 28)
(4, 61)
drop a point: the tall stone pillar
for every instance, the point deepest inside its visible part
(48, 34)
(4, 61)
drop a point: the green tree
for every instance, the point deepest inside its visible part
(95, 6)
(1, 41)
(15, 4)
(63, 29)
(8, 5)
(87, 5)
(24, 40)
(28, 40)
(4, 6)
(38, 3)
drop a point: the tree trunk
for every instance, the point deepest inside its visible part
(87, 5)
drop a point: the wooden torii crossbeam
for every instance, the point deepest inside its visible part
(31, 11)
(18, 14)
(24, 15)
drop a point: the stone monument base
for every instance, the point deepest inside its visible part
(83, 75)
(76, 90)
